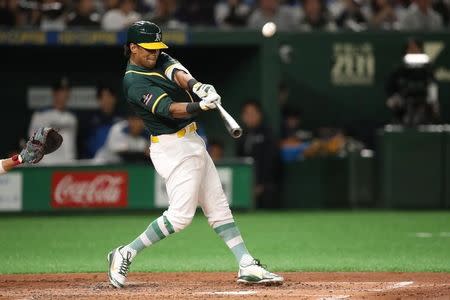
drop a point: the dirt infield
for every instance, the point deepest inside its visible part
(223, 285)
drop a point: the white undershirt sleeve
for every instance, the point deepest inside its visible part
(170, 71)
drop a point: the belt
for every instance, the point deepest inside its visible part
(180, 133)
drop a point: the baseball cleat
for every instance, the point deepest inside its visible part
(255, 273)
(118, 267)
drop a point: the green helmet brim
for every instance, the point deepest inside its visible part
(153, 46)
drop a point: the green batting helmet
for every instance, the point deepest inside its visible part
(146, 34)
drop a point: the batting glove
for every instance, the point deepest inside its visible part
(203, 90)
(210, 101)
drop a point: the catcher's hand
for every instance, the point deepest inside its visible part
(44, 141)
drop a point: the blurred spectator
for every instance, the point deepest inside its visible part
(9, 13)
(108, 5)
(84, 15)
(53, 15)
(259, 143)
(196, 12)
(412, 90)
(62, 120)
(294, 140)
(272, 11)
(216, 150)
(96, 128)
(231, 13)
(164, 13)
(316, 17)
(351, 17)
(127, 141)
(382, 15)
(401, 8)
(121, 17)
(331, 142)
(421, 16)
(442, 7)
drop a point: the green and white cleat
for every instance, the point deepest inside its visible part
(255, 273)
(118, 267)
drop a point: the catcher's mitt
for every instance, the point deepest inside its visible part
(44, 141)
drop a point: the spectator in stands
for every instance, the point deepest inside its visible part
(400, 7)
(330, 142)
(216, 150)
(121, 17)
(421, 16)
(127, 141)
(442, 7)
(259, 143)
(196, 12)
(61, 119)
(84, 15)
(316, 17)
(294, 140)
(9, 13)
(164, 14)
(53, 15)
(382, 15)
(108, 5)
(272, 11)
(412, 90)
(352, 18)
(231, 13)
(95, 130)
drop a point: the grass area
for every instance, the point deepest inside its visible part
(285, 241)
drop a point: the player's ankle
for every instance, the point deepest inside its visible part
(246, 260)
(126, 249)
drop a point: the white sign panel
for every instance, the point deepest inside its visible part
(226, 177)
(11, 192)
(82, 97)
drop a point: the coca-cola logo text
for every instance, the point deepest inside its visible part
(89, 189)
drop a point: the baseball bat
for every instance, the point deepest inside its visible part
(232, 126)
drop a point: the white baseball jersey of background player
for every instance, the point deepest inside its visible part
(66, 123)
(120, 140)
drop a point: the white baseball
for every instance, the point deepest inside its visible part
(269, 29)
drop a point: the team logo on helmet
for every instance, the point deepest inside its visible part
(158, 37)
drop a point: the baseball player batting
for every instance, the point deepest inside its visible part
(167, 98)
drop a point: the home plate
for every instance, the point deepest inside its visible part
(234, 293)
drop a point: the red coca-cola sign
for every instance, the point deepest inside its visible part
(89, 189)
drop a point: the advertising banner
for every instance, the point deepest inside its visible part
(90, 189)
(11, 192)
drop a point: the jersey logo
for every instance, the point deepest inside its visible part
(146, 99)
(158, 37)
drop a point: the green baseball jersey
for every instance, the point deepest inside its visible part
(150, 94)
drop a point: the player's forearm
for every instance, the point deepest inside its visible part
(182, 79)
(10, 163)
(179, 110)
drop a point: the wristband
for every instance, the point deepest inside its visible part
(17, 159)
(193, 108)
(191, 83)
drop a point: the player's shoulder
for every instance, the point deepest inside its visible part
(165, 59)
(164, 55)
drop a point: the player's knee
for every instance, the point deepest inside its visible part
(218, 221)
(180, 223)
